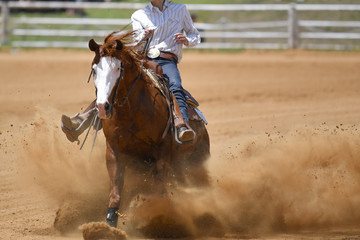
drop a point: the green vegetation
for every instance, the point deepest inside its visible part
(108, 13)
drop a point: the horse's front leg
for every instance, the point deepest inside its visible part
(116, 170)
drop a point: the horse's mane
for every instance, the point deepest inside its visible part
(130, 50)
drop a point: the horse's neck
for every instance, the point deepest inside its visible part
(135, 88)
(138, 112)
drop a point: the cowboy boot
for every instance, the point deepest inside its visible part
(184, 131)
(74, 126)
(186, 134)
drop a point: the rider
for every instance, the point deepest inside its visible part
(168, 22)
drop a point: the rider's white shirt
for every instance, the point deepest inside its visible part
(174, 18)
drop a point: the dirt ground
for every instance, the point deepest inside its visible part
(285, 143)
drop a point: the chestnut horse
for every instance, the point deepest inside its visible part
(135, 117)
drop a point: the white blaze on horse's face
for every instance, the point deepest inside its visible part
(106, 74)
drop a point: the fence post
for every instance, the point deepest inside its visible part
(223, 21)
(4, 21)
(292, 26)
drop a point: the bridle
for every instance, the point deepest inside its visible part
(117, 84)
(134, 81)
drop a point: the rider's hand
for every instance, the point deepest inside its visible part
(181, 39)
(147, 33)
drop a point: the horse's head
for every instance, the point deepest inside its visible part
(107, 70)
(110, 59)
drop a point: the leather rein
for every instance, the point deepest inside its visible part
(131, 88)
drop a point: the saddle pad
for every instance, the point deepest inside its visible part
(196, 114)
(155, 79)
(190, 99)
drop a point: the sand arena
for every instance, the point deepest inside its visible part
(285, 144)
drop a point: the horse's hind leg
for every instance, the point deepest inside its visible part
(116, 170)
(160, 176)
(161, 173)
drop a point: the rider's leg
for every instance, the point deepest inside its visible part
(171, 71)
(76, 125)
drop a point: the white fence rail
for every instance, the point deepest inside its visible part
(72, 21)
(191, 7)
(217, 35)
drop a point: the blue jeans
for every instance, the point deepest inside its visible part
(172, 73)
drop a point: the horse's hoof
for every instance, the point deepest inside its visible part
(112, 217)
(111, 223)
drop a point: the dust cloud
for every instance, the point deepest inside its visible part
(72, 179)
(301, 180)
(304, 179)
(101, 230)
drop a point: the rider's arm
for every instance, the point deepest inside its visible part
(136, 25)
(192, 34)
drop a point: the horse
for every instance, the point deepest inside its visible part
(135, 119)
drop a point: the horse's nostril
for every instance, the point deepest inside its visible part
(107, 107)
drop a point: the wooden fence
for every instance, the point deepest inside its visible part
(234, 35)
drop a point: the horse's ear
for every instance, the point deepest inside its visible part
(93, 45)
(119, 45)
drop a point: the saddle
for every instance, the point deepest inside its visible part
(162, 85)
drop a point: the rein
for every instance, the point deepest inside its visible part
(136, 79)
(91, 73)
(131, 88)
(117, 84)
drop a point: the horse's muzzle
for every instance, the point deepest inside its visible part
(104, 110)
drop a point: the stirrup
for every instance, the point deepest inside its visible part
(185, 137)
